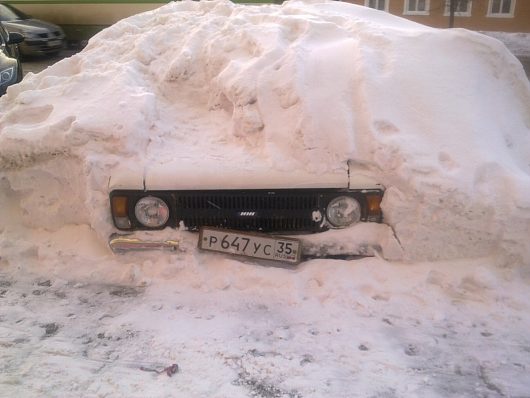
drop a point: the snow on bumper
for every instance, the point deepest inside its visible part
(364, 239)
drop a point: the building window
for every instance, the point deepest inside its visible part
(501, 8)
(417, 7)
(462, 8)
(377, 4)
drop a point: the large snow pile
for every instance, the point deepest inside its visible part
(440, 117)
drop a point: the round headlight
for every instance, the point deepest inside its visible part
(343, 211)
(151, 211)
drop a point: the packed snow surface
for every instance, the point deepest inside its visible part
(305, 90)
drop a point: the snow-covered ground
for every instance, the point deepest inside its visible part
(362, 328)
(304, 87)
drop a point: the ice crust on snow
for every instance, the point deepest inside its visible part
(440, 117)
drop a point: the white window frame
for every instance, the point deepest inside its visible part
(501, 15)
(457, 13)
(367, 4)
(406, 10)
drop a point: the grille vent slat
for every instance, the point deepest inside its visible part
(261, 211)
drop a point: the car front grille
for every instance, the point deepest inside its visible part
(50, 35)
(284, 210)
(255, 211)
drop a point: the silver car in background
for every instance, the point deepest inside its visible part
(41, 38)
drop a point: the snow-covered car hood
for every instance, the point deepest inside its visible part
(210, 175)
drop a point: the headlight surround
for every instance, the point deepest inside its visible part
(343, 211)
(6, 75)
(151, 212)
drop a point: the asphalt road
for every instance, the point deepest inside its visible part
(526, 64)
(38, 64)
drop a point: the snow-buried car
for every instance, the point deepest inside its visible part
(294, 118)
(278, 203)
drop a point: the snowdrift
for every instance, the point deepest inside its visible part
(440, 117)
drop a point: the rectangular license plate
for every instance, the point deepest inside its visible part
(250, 245)
(54, 43)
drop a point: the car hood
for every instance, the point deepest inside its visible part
(30, 25)
(5, 61)
(180, 176)
(165, 176)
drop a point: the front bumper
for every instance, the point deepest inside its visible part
(41, 47)
(128, 243)
(362, 239)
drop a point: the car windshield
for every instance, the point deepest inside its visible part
(8, 13)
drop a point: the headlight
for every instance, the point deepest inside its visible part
(151, 212)
(343, 211)
(31, 35)
(6, 75)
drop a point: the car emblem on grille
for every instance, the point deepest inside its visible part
(247, 213)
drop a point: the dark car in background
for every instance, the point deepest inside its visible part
(10, 68)
(41, 38)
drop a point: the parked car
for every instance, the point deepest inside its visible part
(10, 67)
(41, 38)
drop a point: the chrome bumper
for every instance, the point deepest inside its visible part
(124, 244)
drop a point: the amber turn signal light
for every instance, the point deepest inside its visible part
(373, 202)
(119, 206)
